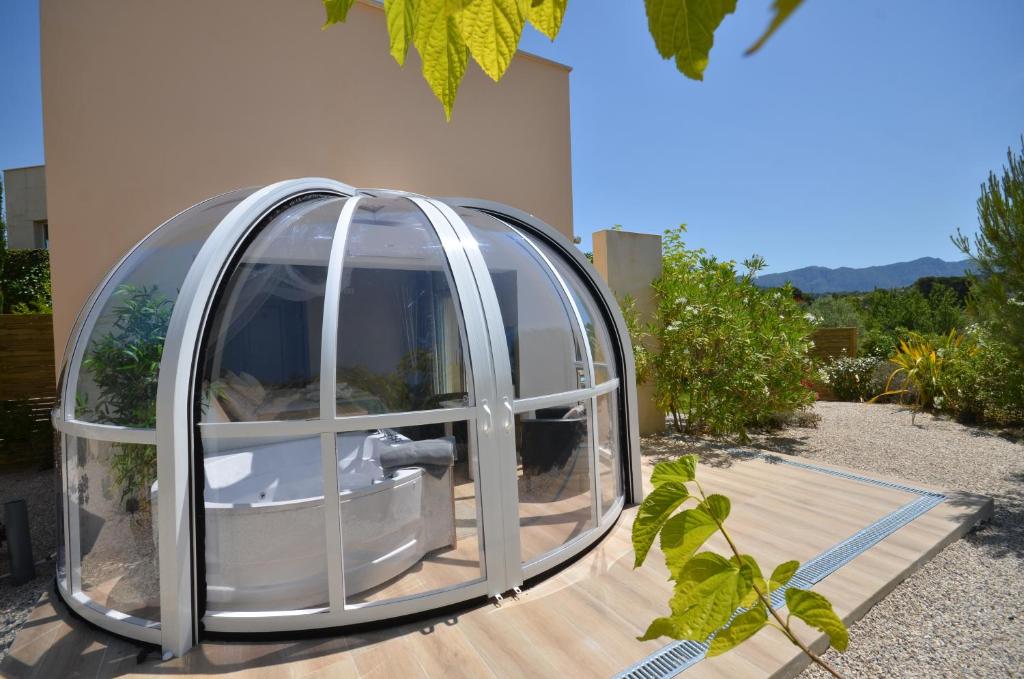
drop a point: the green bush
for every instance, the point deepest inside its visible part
(985, 383)
(723, 354)
(26, 282)
(851, 379)
(834, 311)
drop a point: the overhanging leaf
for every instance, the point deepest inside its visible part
(708, 590)
(401, 18)
(652, 514)
(491, 29)
(685, 29)
(442, 50)
(739, 630)
(337, 11)
(782, 574)
(681, 470)
(546, 16)
(684, 533)
(816, 611)
(660, 627)
(782, 8)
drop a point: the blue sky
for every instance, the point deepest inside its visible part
(859, 135)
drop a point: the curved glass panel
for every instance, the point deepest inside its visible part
(597, 331)
(400, 331)
(556, 502)
(264, 517)
(545, 348)
(263, 355)
(118, 354)
(609, 459)
(410, 516)
(113, 500)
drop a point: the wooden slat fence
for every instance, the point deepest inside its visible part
(834, 342)
(28, 389)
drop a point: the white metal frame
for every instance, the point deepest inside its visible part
(490, 419)
(620, 331)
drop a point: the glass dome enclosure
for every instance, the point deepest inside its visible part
(452, 374)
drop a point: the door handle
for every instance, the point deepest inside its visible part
(485, 424)
(509, 416)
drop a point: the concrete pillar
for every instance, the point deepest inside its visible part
(629, 263)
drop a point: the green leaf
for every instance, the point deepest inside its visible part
(491, 29)
(708, 590)
(684, 533)
(652, 514)
(681, 470)
(816, 611)
(546, 16)
(783, 8)
(337, 11)
(782, 574)
(401, 18)
(661, 627)
(739, 630)
(748, 563)
(685, 29)
(442, 50)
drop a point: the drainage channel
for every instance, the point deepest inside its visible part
(680, 655)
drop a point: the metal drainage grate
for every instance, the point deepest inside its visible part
(668, 662)
(680, 655)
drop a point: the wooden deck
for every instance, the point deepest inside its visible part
(581, 622)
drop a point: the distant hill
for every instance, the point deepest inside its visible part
(820, 279)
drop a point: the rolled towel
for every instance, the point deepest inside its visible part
(434, 455)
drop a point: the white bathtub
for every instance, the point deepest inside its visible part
(265, 539)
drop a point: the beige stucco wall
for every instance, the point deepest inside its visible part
(629, 263)
(150, 107)
(25, 199)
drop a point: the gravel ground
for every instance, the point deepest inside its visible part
(960, 615)
(37, 488)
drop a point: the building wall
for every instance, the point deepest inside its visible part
(629, 263)
(149, 108)
(25, 198)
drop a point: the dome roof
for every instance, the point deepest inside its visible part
(453, 372)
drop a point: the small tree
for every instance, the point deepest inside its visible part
(723, 353)
(997, 289)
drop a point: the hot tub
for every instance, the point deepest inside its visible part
(265, 521)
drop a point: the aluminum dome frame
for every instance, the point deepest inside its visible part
(176, 425)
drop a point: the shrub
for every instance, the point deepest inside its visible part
(984, 384)
(833, 311)
(923, 364)
(26, 282)
(723, 354)
(850, 379)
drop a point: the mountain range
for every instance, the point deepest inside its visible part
(820, 279)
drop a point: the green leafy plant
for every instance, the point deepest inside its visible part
(723, 600)
(922, 363)
(124, 363)
(848, 378)
(445, 32)
(984, 383)
(835, 311)
(723, 354)
(25, 282)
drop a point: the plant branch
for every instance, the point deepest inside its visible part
(766, 600)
